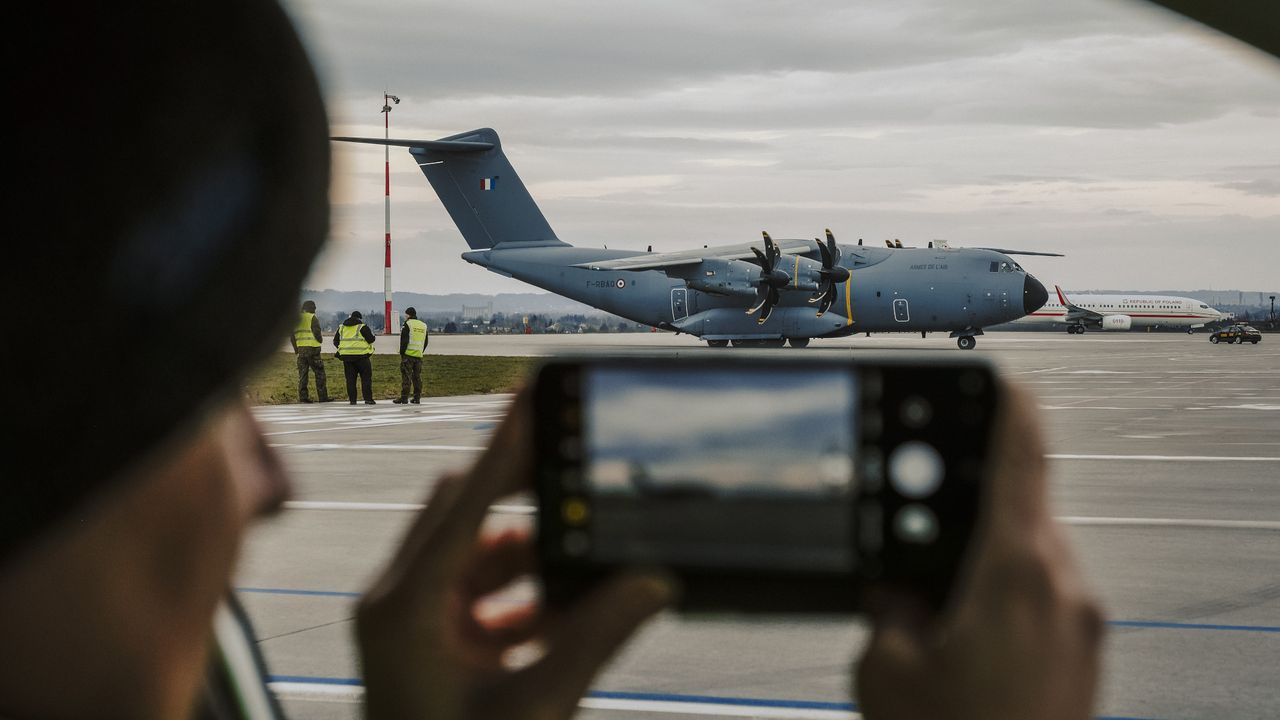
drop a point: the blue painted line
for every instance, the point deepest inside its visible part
(1193, 626)
(661, 697)
(312, 680)
(290, 591)
(718, 700)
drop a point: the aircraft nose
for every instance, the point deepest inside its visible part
(1034, 296)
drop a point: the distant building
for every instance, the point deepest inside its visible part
(477, 312)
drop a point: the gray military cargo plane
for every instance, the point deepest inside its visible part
(746, 294)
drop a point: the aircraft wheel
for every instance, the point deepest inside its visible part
(746, 343)
(966, 342)
(798, 342)
(1214, 339)
(718, 343)
(777, 343)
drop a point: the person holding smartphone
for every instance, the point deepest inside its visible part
(197, 161)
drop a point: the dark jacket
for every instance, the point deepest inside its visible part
(365, 332)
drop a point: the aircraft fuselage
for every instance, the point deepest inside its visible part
(888, 290)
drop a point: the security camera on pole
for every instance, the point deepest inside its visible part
(387, 100)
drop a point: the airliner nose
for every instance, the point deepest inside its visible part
(1034, 296)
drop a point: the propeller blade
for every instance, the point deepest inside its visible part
(766, 310)
(831, 246)
(828, 299)
(764, 264)
(763, 300)
(825, 253)
(770, 249)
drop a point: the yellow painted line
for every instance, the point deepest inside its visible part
(848, 301)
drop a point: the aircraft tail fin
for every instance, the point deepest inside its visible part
(1062, 298)
(479, 187)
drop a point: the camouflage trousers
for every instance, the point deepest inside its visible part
(309, 359)
(410, 374)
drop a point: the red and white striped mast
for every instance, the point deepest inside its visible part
(386, 152)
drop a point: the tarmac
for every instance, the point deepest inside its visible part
(1165, 457)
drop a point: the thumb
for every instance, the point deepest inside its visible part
(590, 633)
(896, 658)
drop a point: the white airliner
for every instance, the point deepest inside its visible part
(1122, 312)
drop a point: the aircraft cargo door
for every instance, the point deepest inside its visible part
(679, 304)
(900, 312)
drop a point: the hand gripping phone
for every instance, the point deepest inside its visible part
(762, 484)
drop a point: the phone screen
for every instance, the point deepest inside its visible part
(721, 467)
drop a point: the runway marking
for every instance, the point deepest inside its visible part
(1041, 370)
(1053, 456)
(393, 507)
(301, 687)
(1162, 458)
(291, 591)
(1192, 626)
(1082, 521)
(370, 423)
(1253, 406)
(1079, 520)
(351, 690)
(1104, 407)
(348, 446)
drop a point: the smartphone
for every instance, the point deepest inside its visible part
(763, 484)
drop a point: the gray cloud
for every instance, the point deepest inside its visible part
(1105, 129)
(1268, 187)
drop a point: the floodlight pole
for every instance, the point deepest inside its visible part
(1273, 309)
(387, 99)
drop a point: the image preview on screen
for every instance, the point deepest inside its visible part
(721, 467)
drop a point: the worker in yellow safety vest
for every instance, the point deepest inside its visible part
(413, 342)
(306, 349)
(354, 341)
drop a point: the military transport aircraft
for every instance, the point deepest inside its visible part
(764, 294)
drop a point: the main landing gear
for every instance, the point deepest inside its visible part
(1075, 329)
(967, 342)
(760, 343)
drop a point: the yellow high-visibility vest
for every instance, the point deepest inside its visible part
(352, 342)
(417, 337)
(302, 334)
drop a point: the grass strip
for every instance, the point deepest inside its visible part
(276, 381)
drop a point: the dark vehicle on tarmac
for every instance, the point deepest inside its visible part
(1236, 334)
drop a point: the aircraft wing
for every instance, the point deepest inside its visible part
(1075, 312)
(1003, 251)
(658, 261)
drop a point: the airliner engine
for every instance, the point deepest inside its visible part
(1117, 322)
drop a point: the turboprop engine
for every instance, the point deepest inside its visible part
(1117, 322)
(723, 277)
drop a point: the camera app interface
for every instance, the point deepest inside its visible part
(722, 468)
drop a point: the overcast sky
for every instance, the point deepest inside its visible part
(1142, 145)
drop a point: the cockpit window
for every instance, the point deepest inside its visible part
(995, 267)
(1204, 307)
